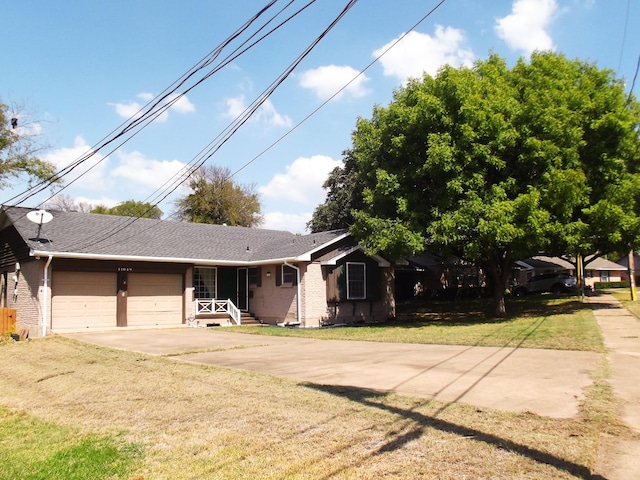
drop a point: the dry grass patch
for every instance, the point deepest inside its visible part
(197, 421)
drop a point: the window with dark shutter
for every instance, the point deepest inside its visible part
(255, 277)
(356, 281)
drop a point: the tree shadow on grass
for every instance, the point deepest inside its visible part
(469, 312)
(422, 422)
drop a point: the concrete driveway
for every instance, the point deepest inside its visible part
(545, 382)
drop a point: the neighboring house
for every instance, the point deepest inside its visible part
(598, 270)
(624, 262)
(430, 276)
(84, 271)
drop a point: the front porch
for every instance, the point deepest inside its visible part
(222, 312)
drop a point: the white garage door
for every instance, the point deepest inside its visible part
(154, 299)
(82, 301)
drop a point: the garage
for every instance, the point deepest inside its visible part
(154, 300)
(83, 300)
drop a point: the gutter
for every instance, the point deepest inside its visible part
(139, 258)
(46, 295)
(299, 287)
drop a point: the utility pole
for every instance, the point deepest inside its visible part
(632, 275)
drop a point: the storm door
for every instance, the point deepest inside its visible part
(243, 289)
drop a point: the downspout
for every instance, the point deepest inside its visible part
(298, 286)
(46, 295)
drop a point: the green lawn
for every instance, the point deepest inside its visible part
(543, 321)
(33, 449)
(624, 295)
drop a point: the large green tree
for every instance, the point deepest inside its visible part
(131, 208)
(344, 195)
(216, 198)
(495, 164)
(18, 151)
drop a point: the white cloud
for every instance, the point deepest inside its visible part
(266, 114)
(93, 168)
(134, 167)
(292, 222)
(418, 52)
(525, 28)
(302, 181)
(132, 108)
(327, 80)
(182, 104)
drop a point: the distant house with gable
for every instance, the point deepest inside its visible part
(597, 270)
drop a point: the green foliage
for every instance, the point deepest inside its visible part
(607, 285)
(216, 199)
(494, 164)
(344, 194)
(131, 208)
(32, 449)
(17, 154)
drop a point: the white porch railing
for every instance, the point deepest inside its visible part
(206, 306)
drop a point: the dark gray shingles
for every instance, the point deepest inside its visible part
(94, 234)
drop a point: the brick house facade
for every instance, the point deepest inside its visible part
(86, 271)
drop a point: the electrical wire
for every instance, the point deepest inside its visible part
(232, 128)
(144, 116)
(338, 92)
(207, 152)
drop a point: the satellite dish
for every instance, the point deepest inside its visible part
(39, 216)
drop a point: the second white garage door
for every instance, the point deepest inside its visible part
(154, 300)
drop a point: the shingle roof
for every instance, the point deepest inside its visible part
(88, 234)
(599, 263)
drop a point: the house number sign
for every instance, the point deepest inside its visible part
(125, 269)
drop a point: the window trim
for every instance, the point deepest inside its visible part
(289, 272)
(215, 277)
(364, 280)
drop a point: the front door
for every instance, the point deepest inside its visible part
(243, 289)
(121, 302)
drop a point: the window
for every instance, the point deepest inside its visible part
(356, 281)
(255, 277)
(204, 283)
(286, 276)
(604, 276)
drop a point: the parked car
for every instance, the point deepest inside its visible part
(547, 282)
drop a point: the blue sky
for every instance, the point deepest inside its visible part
(75, 70)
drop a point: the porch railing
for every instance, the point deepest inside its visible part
(206, 306)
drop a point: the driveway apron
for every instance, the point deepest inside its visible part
(545, 382)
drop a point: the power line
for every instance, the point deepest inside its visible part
(146, 114)
(232, 128)
(633, 83)
(338, 92)
(624, 34)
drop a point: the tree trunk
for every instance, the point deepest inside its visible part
(498, 300)
(498, 272)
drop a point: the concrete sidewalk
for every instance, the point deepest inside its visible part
(621, 333)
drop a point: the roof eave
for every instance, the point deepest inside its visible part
(140, 258)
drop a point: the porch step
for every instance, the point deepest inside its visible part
(248, 319)
(245, 318)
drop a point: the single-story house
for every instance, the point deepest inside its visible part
(72, 271)
(431, 276)
(624, 262)
(597, 270)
